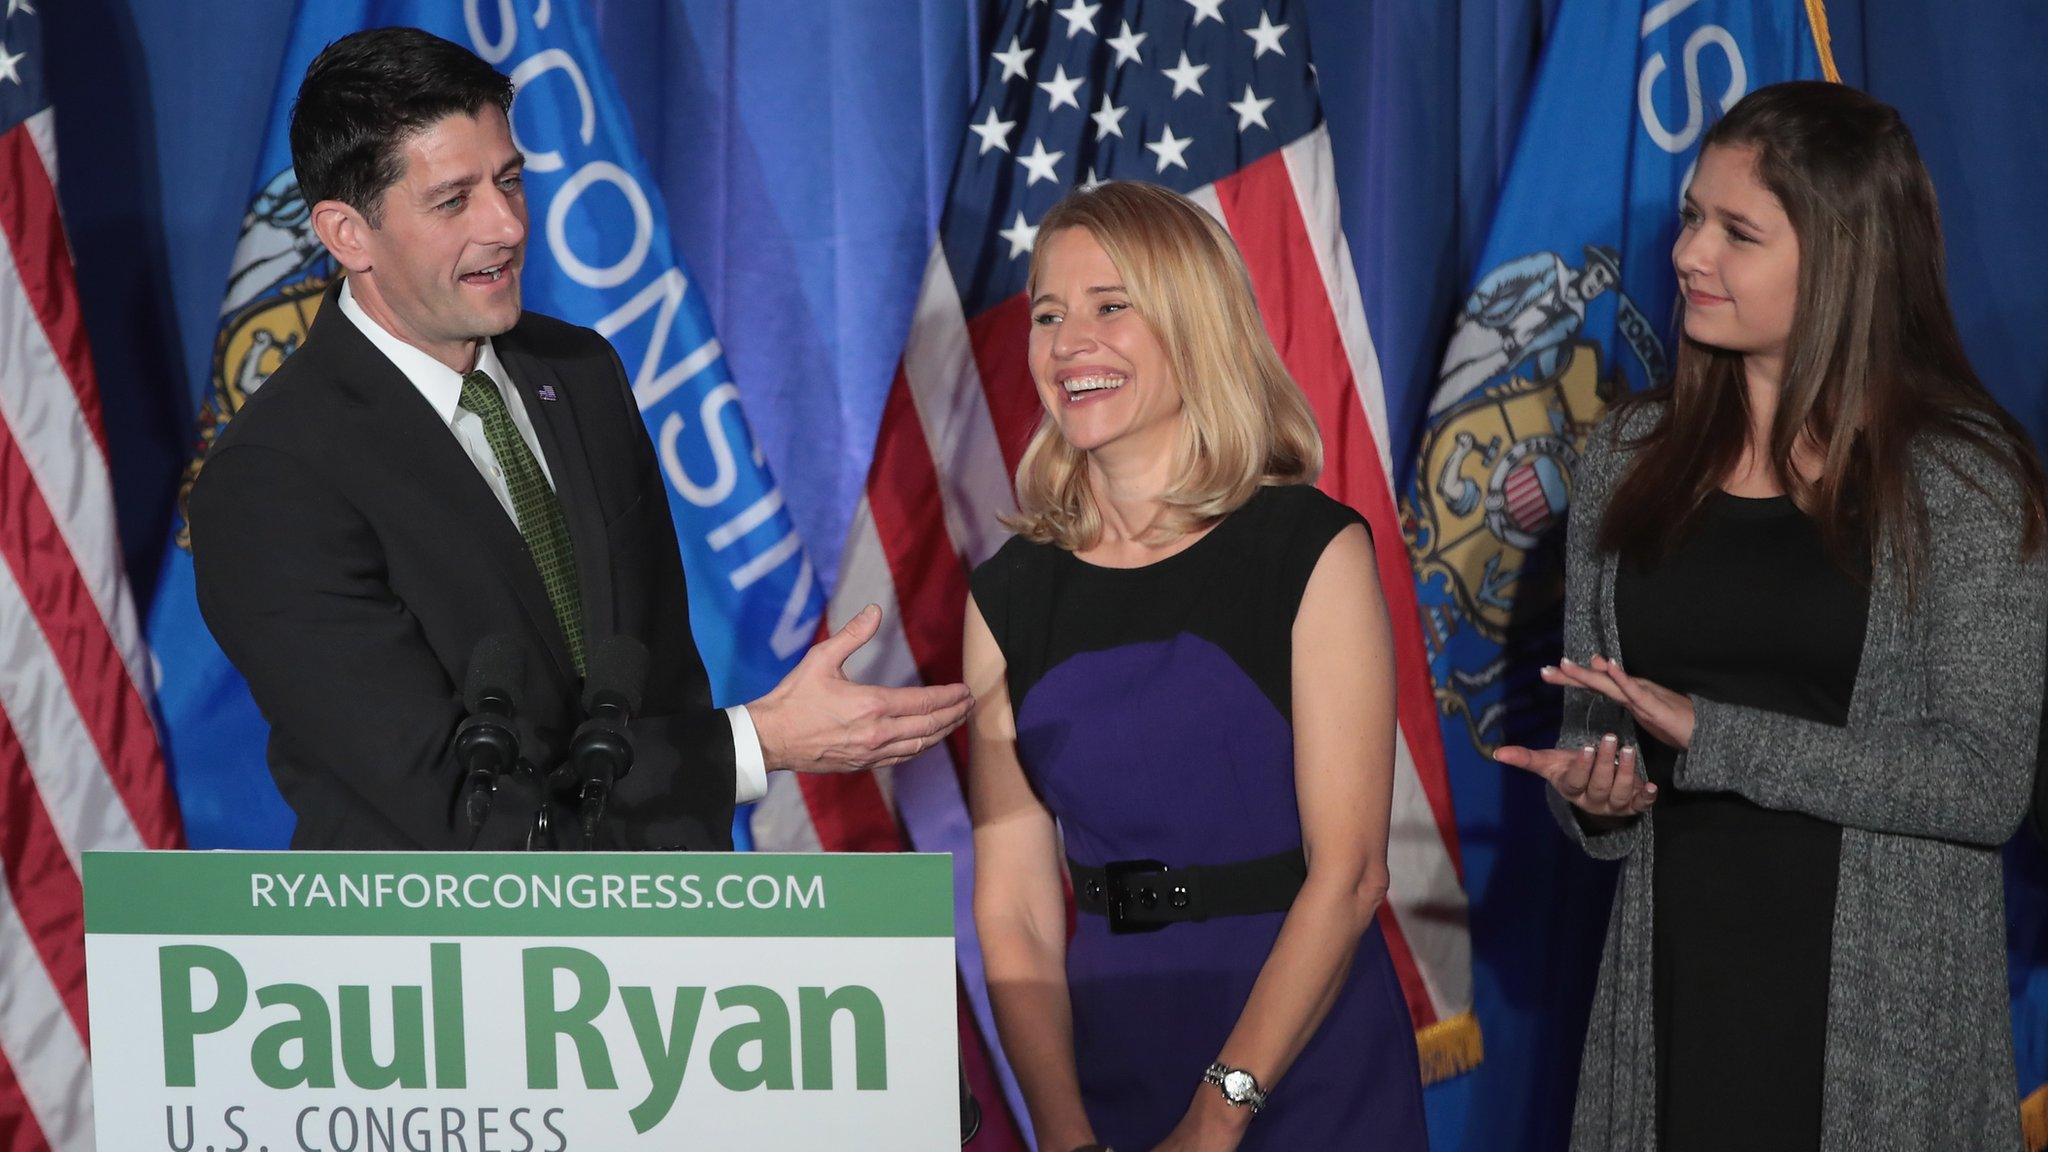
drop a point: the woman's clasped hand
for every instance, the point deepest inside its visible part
(1666, 716)
(1601, 779)
(1604, 779)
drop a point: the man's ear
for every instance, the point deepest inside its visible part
(345, 233)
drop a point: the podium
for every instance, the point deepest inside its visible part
(501, 1002)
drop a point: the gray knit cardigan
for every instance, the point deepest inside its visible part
(1928, 778)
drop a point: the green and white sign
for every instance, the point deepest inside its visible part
(400, 1002)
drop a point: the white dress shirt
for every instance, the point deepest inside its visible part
(441, 387)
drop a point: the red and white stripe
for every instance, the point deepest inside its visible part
(956, 422)
(80, 766)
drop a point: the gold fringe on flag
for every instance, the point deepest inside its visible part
(1817, 18)
(2034, 1119)
(1451, 1046)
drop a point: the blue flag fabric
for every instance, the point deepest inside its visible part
(1569, 305)
(598, 253)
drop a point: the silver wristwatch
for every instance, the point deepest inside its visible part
(1238, 1086)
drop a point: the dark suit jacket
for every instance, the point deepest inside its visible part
(349, 558)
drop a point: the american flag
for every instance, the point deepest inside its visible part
(1217, 100)
(80, 768)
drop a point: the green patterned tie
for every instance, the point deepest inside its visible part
(534, 503)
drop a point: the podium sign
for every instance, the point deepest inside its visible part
(402, 1002)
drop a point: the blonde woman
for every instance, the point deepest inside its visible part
(1186, 705)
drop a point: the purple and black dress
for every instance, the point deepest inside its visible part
(1154, 712)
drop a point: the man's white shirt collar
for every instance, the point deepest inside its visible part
(439, 384)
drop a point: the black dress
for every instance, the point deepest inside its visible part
(1749, 610)
(1155, 720)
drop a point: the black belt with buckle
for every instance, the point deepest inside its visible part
(1146, 895)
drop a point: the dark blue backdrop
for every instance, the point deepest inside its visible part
(803, 147)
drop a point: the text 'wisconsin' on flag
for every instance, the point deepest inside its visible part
(1215, 99)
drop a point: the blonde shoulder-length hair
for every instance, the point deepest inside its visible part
(1244, 422)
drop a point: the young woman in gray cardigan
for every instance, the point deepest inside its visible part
(1819, 552)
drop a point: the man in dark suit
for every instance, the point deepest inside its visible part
(435, 466)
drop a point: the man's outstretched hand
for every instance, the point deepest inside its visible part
(818, 720)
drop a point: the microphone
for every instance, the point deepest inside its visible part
(601, 752)
(486, 745)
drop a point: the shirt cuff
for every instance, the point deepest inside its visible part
(750, 767)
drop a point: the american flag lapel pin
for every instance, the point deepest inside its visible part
(547, 391)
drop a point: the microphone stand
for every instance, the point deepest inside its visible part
(607, 754)
(541, 836)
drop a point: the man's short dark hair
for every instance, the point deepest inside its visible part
(366, 94)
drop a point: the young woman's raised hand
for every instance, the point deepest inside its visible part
(1599, 779)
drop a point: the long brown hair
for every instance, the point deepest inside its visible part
(1245, 422)
(1874, 360)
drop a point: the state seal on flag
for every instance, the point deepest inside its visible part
(1523, 381)
(280, 272)
(1496, 475)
